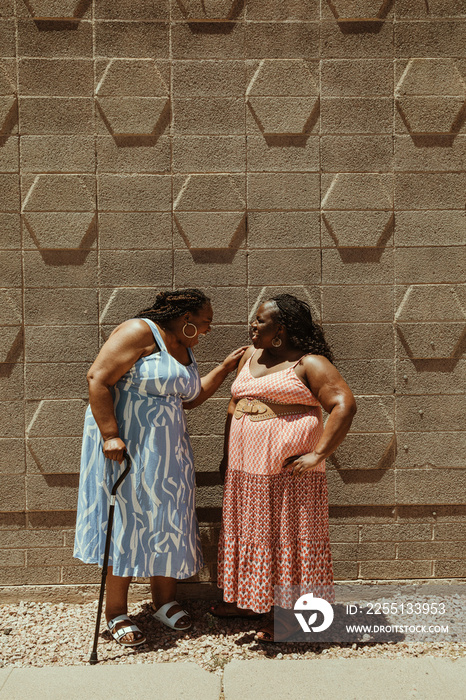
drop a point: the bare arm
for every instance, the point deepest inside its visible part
(230, 412)
(127, 343)
(333, 393)
(211, 382)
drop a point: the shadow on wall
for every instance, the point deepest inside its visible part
(132, 140)
(431, 100)
(197, 12)
(76, 256)
(360, 17)
(133, 100)
(384, 459)
(50, 15)
(13, 352)
(8, 106)
(370, 226)
(210, 214)
(8, 118)
(283, 97)
(440, 364)
(430, 323)
(215, 255)
(59, 215)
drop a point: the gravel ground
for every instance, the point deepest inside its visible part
(45, 634)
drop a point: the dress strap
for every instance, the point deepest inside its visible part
(247, 364)
(298, 361)
(156, 333)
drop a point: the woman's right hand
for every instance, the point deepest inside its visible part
(231, 361)
(114, 449)
(223, 468)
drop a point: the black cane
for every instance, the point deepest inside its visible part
(93, 658)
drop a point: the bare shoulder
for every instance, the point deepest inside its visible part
(134, 331)
(325, 380)
(130, 341)
(317, 364)
(247, 354)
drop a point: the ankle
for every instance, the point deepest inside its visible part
(160, 603)
(110, 614)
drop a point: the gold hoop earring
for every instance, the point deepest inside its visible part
(184, 330)
(276, 342)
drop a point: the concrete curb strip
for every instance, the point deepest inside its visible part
(333, 679)
(346, 679)
(185, 681)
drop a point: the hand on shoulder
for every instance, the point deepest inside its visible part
(246, 355)
(232, 360)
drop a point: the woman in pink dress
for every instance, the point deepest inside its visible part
(275, 507)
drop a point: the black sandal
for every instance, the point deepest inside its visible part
(268, 635)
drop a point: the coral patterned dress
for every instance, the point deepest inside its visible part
(275, 525)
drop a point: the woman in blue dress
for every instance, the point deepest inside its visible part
(142, 378)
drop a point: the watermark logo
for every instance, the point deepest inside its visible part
(373, 613)
(307, 603)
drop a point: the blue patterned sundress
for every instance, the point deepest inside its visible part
(155, 530)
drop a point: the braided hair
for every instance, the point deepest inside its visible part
(303, 332)
(168, 305)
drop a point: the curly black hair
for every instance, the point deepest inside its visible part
(168, 305)
(303, 332)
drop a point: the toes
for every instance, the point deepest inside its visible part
(218, 609)
(265, 635)
(128, 638)
(132, 637)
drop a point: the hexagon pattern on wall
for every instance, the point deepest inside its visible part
(357, 209)
(124, 302)
(358, 10)
(209, 210)
(53, 9)
(365, 451)
(282, 96)
(431, 95)
(7, 98)
(308, 294)
(431, 321)
(59, 210)
(132, 96)
(10, 325)
(10, 337)
(208, 10)
(59, 420)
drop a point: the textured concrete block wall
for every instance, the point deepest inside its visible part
(311, 146)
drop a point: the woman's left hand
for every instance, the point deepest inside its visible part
(231, 361)
(303, 463)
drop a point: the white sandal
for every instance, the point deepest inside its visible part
(161, 616)
(117, 634)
